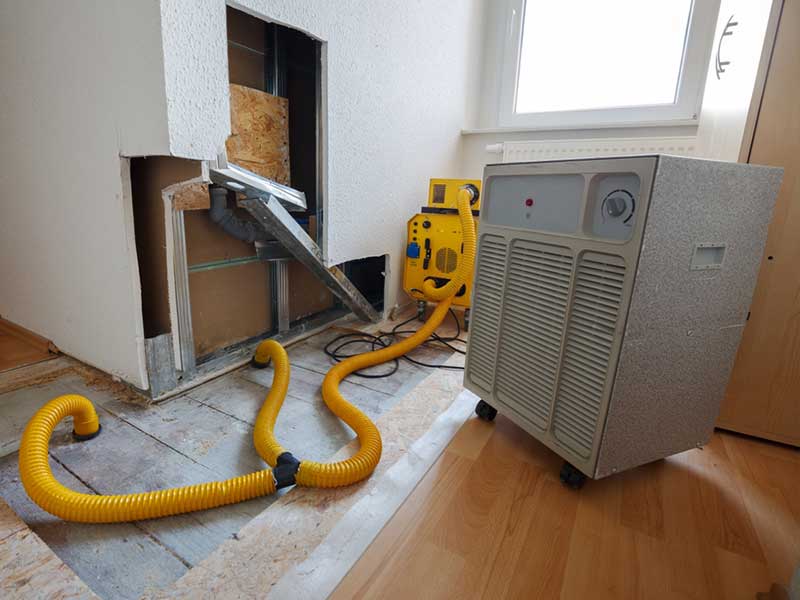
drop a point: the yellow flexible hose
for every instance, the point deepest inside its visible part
(468, 236)
(57, 499)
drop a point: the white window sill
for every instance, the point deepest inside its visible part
(585, 127)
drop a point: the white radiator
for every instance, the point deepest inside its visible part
(593, 148)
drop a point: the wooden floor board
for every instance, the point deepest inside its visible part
(491, 520)
(19, 347)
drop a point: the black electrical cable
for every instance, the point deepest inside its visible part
(384, 339)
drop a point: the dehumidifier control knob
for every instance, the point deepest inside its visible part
(618, 202)
(426, 224)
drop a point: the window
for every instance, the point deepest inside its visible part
(589, 63)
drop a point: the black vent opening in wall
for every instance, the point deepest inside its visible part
(368, 275)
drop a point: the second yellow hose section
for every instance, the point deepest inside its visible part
(264, 440)
(361, 465)
(46, 491)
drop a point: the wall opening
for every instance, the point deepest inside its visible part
(275, 78)
(149, 176)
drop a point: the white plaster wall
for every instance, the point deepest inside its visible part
(82, 84)
(196, 76)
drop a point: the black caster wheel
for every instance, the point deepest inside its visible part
(466, 319)
(485, 411)
(572, 477)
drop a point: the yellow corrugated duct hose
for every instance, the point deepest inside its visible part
(451, 288)
(59, 500)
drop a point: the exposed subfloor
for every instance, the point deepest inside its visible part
(203, 435)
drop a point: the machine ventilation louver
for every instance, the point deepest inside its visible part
(536, 296)
(599, 283)
(490, 270)
(610, 297)
(446, 260)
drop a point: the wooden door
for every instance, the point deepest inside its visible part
(763, 396)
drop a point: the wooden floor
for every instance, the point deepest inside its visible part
(19, 347)
(491, 520)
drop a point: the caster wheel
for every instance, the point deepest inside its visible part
(485, 411)
(466, 319)
(572, 477)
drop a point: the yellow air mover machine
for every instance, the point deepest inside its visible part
(434, 247)
(284, 469)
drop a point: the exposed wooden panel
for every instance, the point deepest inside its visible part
(491, 520)
(245, 67)
(307, 294)
(232, 304)
(246, 41)
(193, 196)
(229, 305)
(207, 242)
(245, 29)
(763, 396)
(259, 138)
(149, 176)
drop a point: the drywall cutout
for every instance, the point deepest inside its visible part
(707, 257)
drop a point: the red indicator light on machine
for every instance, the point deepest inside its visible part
(529, 202)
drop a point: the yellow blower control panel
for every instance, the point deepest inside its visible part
(433, 250)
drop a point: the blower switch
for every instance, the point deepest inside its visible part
(413, 250)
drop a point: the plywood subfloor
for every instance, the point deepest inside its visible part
(491, 520)
(200, 436)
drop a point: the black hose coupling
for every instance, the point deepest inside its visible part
(473, 190)
(286, 470)
(89, 436)
(259, 365)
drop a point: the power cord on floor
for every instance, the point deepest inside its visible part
(383, 339)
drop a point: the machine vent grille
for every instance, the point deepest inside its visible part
(599, 283)
(487, 300)
(534, 314)
(446, 260)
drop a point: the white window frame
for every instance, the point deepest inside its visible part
(685, 110)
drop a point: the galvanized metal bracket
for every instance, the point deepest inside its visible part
(269, 212)
(160, 361)
(234, 177)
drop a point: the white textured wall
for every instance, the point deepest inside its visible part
(196, 76)
(82, 83)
